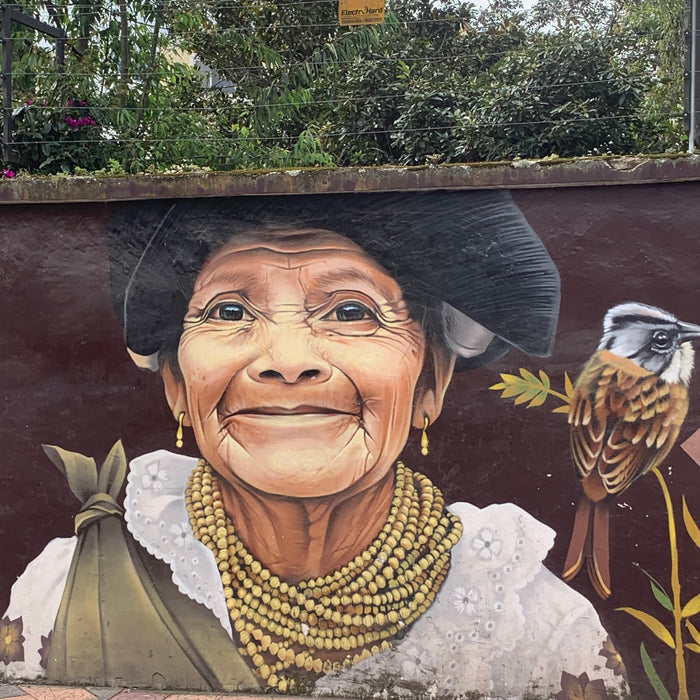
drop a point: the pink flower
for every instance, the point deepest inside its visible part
(8, 173)
(29, 102)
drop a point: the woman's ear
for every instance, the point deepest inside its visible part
(175, 393)
(432, 385)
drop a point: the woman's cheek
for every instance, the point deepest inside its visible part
(208, 362)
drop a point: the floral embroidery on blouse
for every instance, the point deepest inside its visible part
(417, 664)
(182, 534)
(153, 477)
(486, 544)
(465, 599)
(11, 640)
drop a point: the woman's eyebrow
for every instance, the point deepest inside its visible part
(343, 275)
(234, 281)
(220, 284)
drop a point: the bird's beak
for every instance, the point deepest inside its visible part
(688, 331)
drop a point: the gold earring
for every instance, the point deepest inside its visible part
(178, 434)
(424, 437)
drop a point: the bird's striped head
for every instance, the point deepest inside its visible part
(652, 338)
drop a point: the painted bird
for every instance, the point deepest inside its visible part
(629, 403)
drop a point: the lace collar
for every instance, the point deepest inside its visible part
(156, 516)
(500, 552)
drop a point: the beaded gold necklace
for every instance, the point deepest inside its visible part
(300, 631)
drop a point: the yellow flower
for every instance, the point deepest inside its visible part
(11, 640)
(614, 660)
(581, 688)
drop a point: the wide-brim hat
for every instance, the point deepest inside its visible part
(471, 256)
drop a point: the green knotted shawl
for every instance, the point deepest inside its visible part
(122, 620)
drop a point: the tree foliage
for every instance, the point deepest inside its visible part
(437, 82)
(148, 107)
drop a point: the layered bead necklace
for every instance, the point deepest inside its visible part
(294, 633)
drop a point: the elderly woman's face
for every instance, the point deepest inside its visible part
(300, 362)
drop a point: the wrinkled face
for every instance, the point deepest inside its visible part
(300, 363)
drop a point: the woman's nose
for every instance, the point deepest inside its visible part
(290, 358)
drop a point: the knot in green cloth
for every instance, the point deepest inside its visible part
(97, 490)
(98, 506)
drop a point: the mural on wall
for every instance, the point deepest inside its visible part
(286, 537)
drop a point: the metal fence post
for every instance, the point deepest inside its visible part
(691, 116)
(11, 14)
(7, 83)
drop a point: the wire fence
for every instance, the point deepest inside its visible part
(426, 129)
(357, 98)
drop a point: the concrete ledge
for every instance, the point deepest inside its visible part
(39, 691)
(520, 174)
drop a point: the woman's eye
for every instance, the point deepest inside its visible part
(352, 311)
(230, 312)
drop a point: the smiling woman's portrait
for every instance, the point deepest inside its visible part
(284, 539)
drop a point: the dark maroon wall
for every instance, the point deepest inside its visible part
(66, 380)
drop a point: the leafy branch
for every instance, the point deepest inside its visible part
(681, 613)
(528, 387)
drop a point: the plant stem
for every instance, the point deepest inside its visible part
(123, 88)
(676, 590)
(566, 399)
(151, 67)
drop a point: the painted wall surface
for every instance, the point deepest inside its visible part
(248, 604)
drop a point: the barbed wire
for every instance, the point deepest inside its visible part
(246, 68)
(296, 64)
(223, 5)
(302, 103)
(316, 25)
(367, 132)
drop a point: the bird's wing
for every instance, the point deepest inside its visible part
(643, 433)
(588, 417)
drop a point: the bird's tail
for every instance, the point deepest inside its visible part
(590, 542)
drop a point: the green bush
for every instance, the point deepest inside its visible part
(53, 140)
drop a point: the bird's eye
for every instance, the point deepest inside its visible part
(351, 311)
(661, 340)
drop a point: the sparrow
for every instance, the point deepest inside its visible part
(628, 406)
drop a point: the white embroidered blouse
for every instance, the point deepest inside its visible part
(501, 625)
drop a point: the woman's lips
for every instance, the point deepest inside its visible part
(290, 411)
(291, 428)
(297, 418)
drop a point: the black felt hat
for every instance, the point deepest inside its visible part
(471, 256)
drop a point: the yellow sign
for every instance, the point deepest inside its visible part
(361, 11)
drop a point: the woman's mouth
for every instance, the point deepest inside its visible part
(298, 417)
(300, 410)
